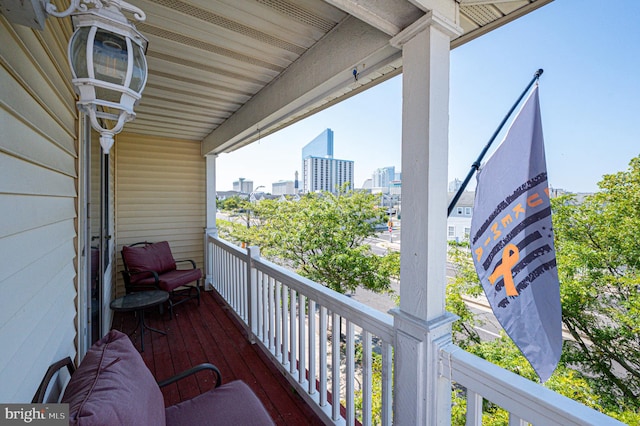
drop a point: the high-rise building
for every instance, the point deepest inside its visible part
(242, 185)
(283, 187)
(321, 146)
(327, 174)
(322, 172)
(383, 177)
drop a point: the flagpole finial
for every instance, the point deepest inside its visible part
(538, 73)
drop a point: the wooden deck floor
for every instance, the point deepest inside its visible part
(208, 333)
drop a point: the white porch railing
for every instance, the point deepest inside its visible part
(296, 322)
(293, 319)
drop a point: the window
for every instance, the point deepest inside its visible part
(467, 211)
(459, 210)
(467, 232)
(452, 231)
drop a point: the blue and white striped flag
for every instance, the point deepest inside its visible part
(512, 242)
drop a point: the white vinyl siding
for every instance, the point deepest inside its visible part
(38, 201)
(160, 195)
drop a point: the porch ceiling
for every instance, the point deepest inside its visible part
(226, 72)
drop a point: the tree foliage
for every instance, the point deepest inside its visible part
(461, 286)
(322, 236)
(598, 251)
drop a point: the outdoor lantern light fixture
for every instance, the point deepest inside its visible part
(106, 54)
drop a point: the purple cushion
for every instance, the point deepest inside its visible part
(113, 385)
(171, 280)
(151, 257)
(233, 403)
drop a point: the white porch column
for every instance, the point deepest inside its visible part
(211, 209)
(421, 323)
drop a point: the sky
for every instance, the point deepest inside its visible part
(589, 97)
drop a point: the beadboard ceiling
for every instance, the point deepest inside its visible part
(226, 72)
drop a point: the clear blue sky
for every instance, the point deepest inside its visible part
(589, 95)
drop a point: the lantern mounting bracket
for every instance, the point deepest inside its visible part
(81, 6)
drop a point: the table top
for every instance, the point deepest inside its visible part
(139, 300)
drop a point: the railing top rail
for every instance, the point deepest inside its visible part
(526, 399)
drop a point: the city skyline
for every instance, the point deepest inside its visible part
(588, 92)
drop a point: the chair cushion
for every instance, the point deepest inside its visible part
(113, 385)
(171, 280)
(233, 403)
(152, 257)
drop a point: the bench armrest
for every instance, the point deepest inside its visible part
(193, 263)
(38, 398)
(191, 371)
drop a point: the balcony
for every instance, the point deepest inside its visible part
(291, 321)
(209, 333)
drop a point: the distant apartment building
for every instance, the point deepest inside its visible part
(459, 221)
(322, 172)
(243, 186)
(283, 187)
(395, 187)
(383, 177)
(326, 174)
(454, 185)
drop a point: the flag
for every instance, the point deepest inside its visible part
(512, 242)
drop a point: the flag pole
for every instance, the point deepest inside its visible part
(476, 165)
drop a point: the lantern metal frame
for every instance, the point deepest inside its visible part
(107, 116)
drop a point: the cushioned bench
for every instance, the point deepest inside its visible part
(113, 386)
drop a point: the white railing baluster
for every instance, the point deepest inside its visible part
(302, 340)
(387, 383)
(323, 356)
(278, 325)
(293, 335)
(474, 409)
(239, 293)
(350, 379)
(335, 366)
(367, 375)
(272, 319)
(264, 302)
(312, 347)
(238, 276)
(285, 327)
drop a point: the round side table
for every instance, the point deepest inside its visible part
(138, 302)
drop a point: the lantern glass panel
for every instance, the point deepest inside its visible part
(78, 52)
(110, 57)
(139, 69)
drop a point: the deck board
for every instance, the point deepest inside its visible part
(209, 333)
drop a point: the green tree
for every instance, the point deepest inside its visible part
(232, 204)
(598, 252)
(238, 207)
(322, 236)
(463, 285)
